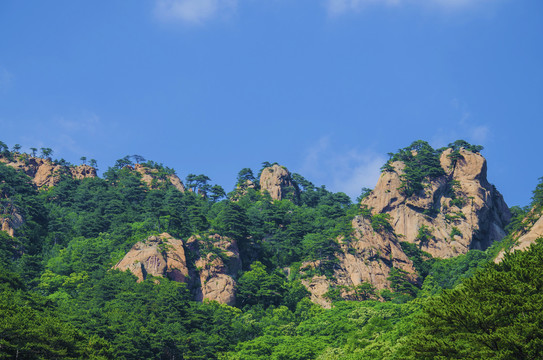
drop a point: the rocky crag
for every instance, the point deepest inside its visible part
(154, 179)
(455, 212)
(277, 181)
(46, 173)
(532, 230)
(216, 265)
(366, 257)
(207, 265)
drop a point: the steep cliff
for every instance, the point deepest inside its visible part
(452, 212)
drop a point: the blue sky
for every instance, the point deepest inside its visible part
(324, 87)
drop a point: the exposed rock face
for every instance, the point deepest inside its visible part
(526, 238)
(45, 173)
(460, 209)
(11, 220)
(160, 256)
(318, 286)
(150, 177)
(277, 182)
(82, 172)
(217, 265)
(368, 257)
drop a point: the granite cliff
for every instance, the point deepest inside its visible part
(453, 213)
(367, 256)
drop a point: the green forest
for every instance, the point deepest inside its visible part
(61, 298)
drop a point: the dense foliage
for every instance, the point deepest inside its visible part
(60, 299)
(497, 314)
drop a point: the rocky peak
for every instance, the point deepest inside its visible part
(454, 212)
(152, 177)
(276, 180)
(46, 173)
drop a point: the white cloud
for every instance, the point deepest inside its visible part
(356, 170)
(193, 12)
(340, 7)
(344, 170)
(312, 162)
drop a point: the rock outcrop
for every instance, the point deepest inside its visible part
(153, 179)
(216, 267)
(277, 182)
(527, 237)
(82, 172)
(11, 220)
(45, 173)
(366, 257)
(210, 276)
(454, 213)
(159, 256)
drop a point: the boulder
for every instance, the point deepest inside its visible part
(159, 256)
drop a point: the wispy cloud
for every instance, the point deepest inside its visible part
(465, 127)
(89, 123)
(340, 7)
(5, 79)
(347, 170)
(69, 136)
(193, 12)
(199, 12)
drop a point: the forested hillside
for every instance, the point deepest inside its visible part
(138, 264)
